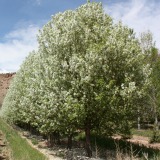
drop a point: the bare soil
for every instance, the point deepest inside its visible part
(141, 141)
(41, 146)
(5, 80)
(4, 151)
(52, 153)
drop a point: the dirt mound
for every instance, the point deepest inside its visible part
(4, 152)
(5, 79)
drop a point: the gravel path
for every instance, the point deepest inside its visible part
(51, 155)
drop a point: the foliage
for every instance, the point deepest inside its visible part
(153, 89)
(144, 132)
(155, 136)
(146, 42)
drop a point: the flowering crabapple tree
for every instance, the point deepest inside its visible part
(98, 68)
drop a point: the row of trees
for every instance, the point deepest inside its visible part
(152, 98)
(88, 74)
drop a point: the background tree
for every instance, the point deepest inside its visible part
(153, 59)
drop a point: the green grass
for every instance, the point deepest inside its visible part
(20, 148)
(145, 133)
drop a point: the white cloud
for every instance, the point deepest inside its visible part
(17, 46)
(38, 2)
(142, 15)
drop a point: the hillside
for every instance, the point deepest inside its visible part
(5, 79)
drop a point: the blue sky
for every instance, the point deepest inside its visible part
(20, 21)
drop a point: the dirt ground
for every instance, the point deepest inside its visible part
(51, 154)
(4, 151)
(41, 146)
(5, 80)
(142, 141)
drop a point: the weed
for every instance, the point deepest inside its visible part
(34, 141)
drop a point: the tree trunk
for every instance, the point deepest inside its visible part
(138, 123)
(50, 140)
(69, 143)
(156, 123)
(57, 138)
(88, 142)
